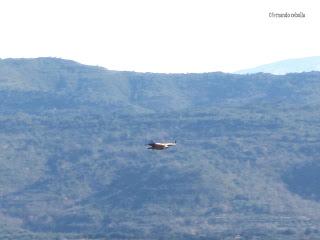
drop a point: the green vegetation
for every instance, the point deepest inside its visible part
(74, 164)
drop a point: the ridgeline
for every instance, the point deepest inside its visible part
(73, 162)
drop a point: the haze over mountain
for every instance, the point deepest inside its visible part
(73, 164)
(297, 65)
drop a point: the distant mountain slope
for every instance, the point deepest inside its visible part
(46, 83)
(73, 162)
(307, 64)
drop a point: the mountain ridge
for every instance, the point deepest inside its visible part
(295, 65)
(74, 165)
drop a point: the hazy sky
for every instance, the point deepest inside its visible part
(160, 35)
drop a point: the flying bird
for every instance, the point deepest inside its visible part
(160, 146)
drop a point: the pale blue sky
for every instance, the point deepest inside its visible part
(160, 36)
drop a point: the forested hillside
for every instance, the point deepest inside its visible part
(74, 165)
